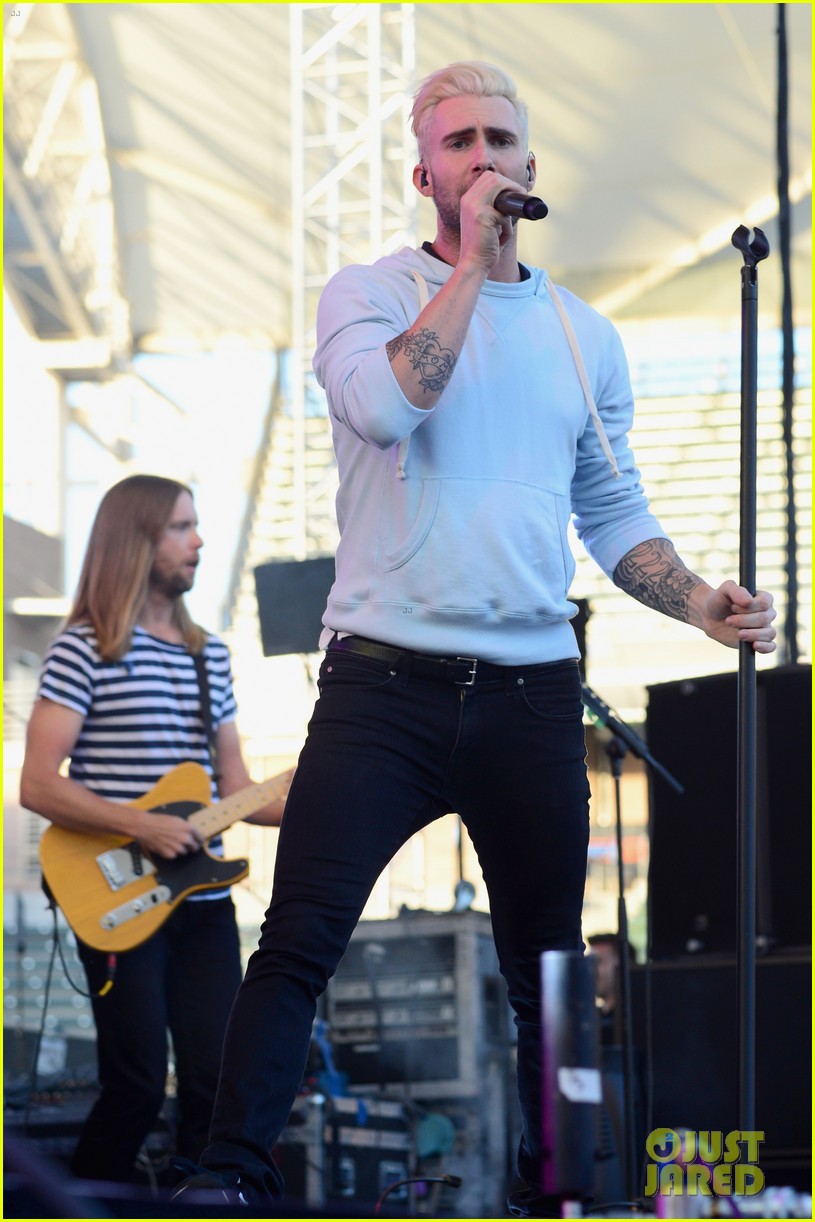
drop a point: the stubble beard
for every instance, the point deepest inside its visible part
(172, 587)
(448, 212)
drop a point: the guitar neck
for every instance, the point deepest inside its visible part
(216, 818)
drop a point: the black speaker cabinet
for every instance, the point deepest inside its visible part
(692, 731)
(291, 597)
(685, 1024)
(349, 1149)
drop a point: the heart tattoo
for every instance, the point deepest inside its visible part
(422, 348)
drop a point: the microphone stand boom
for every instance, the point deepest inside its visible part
(624, 739)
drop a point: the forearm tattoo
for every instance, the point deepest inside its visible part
(653, 574)
(434, 364)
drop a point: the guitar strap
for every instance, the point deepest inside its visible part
(206, 706)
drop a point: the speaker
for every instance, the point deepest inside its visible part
(420, 1001)
(691, 729)
(685, 1024)
(291, 597)
(346, 1149)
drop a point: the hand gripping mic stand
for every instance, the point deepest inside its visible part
(624, 738)
(752, 252)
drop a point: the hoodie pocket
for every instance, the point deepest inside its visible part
(416, 533)
(491, 548)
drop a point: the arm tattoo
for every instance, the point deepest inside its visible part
(653, 574)
(422, 348)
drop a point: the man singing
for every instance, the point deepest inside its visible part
(475, 409)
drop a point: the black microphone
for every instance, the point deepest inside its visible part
(515, 203)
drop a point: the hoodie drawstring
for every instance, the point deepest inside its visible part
(577, 357)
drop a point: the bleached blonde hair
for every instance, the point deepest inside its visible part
(468, 78)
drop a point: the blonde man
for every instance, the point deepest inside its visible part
(465, 441)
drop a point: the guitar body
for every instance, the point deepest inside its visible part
(114, 896)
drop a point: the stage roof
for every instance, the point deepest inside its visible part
(654, 127)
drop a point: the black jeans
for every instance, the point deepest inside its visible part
(386, 753)
(183, 979)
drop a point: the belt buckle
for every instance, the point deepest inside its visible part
(473, 663)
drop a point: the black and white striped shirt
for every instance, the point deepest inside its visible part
(142, 715)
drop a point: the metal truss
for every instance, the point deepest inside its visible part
(352, 77)
(352, 80)
(61, 266)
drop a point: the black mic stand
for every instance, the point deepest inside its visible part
(752, 253)
(623, 739)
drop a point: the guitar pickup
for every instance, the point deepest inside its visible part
(117, 865)
(135, 907)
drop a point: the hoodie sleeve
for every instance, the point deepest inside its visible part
(357, 315)
(611, 515)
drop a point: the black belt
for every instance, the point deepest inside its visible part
(450, 670)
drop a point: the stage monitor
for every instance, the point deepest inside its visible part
(291, 596)
(692, 880)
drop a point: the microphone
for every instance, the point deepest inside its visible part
(515, 203)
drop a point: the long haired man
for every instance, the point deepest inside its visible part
(121, 699)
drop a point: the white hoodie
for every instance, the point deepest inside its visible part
(453, 521)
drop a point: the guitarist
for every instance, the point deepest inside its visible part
(120, 698)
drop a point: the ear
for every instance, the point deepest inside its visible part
(421, 181)
(531, 170)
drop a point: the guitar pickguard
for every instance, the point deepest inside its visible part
(174, 878)
(128, 863)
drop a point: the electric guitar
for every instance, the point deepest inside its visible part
(113, 893)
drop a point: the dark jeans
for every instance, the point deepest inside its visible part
(386, 753)
(183, 979)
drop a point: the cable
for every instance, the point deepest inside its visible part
(56, 949)
(40, 1033)
(452, 1181)
(111, 967)
(787, 336)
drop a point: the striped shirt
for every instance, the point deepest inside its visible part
(142, 714)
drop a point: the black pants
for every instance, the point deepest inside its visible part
(183, 979)
(387, 752)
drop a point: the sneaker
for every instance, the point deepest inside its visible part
(211, 1188)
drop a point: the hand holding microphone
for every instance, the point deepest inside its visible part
(519, 204)
(515, 203)
(488, 212)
